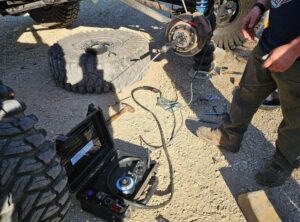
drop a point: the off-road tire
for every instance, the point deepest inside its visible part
(123, 63)
(230, 36)
(59, 16)
(33, 183)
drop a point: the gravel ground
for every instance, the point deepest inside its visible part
(207, 181)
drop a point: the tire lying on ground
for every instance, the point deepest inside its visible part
(33, 183)
(99, 61)
(228, 35)
(56, 16)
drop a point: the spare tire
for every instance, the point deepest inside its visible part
(228, 34)
(99, 61)
(33, 183)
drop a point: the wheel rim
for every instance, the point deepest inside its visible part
(100, 45)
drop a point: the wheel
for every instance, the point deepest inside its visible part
(99, 61)
(228, 34)
(56, 16)
(33, 183)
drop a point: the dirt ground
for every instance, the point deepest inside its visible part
(207, 180)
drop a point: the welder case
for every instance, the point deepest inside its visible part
(93, 165)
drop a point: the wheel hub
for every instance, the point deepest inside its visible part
(184, 36)
(100, 45)
(187, 35)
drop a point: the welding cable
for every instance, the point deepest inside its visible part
(196, 73)
(173, 134)
(164, 147)
(172, 137)
(174, 131)
(163, 140)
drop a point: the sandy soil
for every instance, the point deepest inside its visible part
(207, 180)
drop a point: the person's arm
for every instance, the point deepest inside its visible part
(283, 57)
(253, 18)
(295, 46)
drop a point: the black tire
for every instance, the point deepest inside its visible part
(229, 36)
(33, 183)
(56, 16)
(122, 61)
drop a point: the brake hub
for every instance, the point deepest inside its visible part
(188, 33)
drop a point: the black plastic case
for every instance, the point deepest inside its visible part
(88, 154)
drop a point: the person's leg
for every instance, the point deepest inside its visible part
(256, 84)
(276, 172)
(289, 130)
(271, 102)
(287, 155)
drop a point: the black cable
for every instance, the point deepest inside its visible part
(164, 147)
(173, 134)
(174, 131)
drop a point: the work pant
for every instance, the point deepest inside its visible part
(256, 84)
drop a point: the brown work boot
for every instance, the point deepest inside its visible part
(217, 137)
(275, 173)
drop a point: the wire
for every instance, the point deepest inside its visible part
(184, 6)
(172, 137)
(147, 66)
(164, 144)
(174, 131)
(173, 134)
(163, 141)
(196, 73)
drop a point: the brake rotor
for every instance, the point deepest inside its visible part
(188, 34)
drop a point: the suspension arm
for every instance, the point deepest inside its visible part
(147, 11)
(156, 5)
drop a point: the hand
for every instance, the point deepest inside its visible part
(281, 59)
(249, 22)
